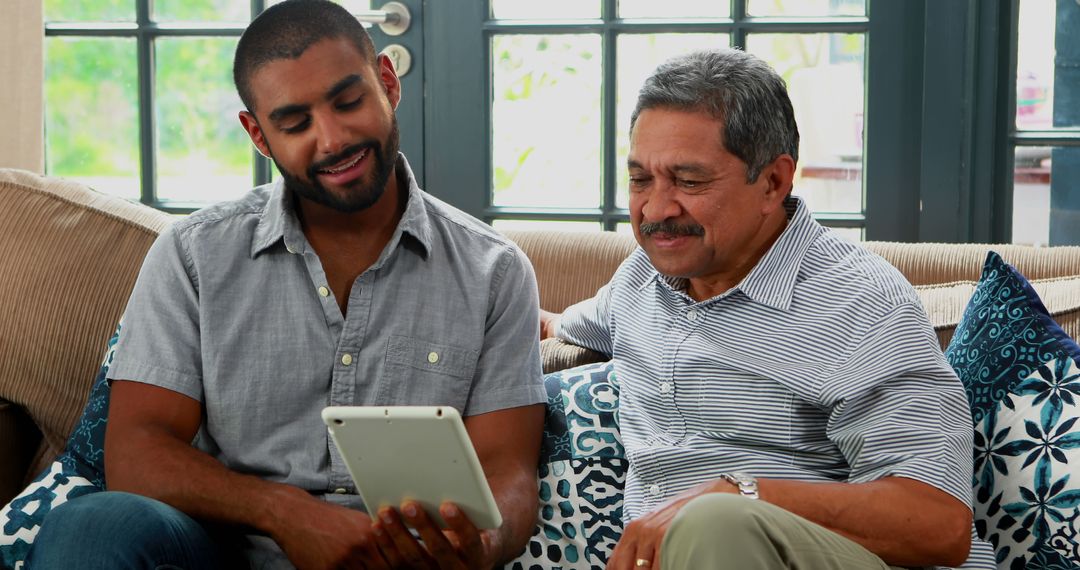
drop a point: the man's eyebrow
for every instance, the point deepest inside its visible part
(286, 110)
(699, 169)
(342, 85)
(334, 91)
(692, 168)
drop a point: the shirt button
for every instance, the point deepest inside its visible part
(433, 357)
(654, 489)
(346, 359)
(324, 291)
(340, 490)
(665, 387)
(691, 315)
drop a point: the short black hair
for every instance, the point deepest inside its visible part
(286, 31)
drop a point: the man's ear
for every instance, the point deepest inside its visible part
(251, 125)
(389, 78)
(778, 176)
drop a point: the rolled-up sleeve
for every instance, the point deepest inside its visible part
(911, 418)
(159, 333)
(508, 372)
(588, 323)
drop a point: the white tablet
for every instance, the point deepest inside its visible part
(421, 453)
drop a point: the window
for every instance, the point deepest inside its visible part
(564, 80)
(139, 99)
(1046, 138)
(921, 121)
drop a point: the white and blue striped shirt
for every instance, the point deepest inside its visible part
(821, 365)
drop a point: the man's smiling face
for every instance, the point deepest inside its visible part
(327, 120)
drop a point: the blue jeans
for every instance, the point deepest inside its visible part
(112, 530)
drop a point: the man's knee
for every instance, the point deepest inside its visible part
(120, 527)
(730, 519)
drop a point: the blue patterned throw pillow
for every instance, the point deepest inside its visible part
(77, 471)
(582, 469)
(1022, 378)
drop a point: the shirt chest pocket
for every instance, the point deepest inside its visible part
(428, 373)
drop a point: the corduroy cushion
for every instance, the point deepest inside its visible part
(557, 354)
(71, 256)
(930, 263)
(571, 266)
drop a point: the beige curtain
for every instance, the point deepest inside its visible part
(21, 74)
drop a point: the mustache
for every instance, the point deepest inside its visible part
(341, 156)
(671, 228)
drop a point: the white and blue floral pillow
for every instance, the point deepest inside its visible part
(1022, 378)
(77, 471)
(582, 470)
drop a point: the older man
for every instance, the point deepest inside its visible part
(785, 403)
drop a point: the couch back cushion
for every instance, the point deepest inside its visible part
(71, 258)
(930, 263)
(571, 266)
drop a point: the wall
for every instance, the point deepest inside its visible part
(21, 67)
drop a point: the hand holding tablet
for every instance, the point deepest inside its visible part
(420, 453)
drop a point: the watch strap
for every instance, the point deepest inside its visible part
(746, 484)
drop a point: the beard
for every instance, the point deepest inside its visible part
(362, 193)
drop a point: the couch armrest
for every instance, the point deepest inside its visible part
(19, 438)
(557, 354)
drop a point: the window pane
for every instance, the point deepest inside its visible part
(673, 9)
(545, 120)
(202, 10)
(547, 225)
(92, 113)
(638, 56)
(806, 7)
(1036, 75)
(549, 10)
(203, 153)
(824, 75)
(1046, 196)
(89, 11)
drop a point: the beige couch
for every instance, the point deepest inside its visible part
(70, 257)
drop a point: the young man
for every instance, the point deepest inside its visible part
(342, 284)
(784, 400)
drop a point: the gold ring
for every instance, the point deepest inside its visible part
(643, 563)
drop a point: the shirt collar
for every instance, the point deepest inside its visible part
(772, 281)
(279, 222)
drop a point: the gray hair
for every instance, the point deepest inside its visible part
(741, 91)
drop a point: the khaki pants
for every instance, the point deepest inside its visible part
(728, 531)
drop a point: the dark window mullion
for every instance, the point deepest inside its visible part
(608, 96)
(147, 130)
(261, 165)
(738, 31)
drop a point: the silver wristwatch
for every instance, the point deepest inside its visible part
(746, 484)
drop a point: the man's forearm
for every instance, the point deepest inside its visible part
(516, 495)
(903, 521)
(159, 466)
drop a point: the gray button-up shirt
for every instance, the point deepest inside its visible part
(232, 308)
